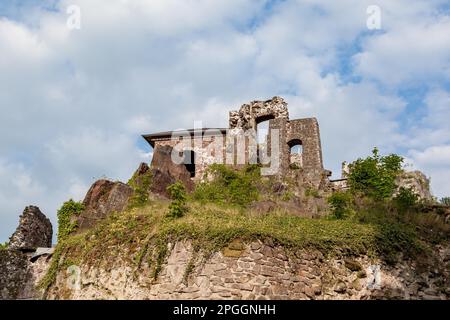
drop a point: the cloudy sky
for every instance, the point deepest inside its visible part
(74, 102)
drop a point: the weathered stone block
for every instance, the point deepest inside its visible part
(34, 230)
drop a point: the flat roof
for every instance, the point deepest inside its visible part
(150, 138)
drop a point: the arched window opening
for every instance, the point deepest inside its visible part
(189, 161)
(262, 133)
(296, 153)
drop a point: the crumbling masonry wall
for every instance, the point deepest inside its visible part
(259, 271)
(304, 132)
(243, 125)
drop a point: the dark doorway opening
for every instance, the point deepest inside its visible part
(189, 161)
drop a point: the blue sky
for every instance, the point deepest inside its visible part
(75, 102)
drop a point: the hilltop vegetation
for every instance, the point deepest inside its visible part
(372, 218)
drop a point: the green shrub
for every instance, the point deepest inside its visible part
(4, 246)
(294, 166)
(230, 186)
(445, 201)
(405, 200)
(311, 192)
(340, 203)
(177, 207)
(65, 214)
(141, 186)
(375, 175)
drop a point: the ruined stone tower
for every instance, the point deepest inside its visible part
(291, 144)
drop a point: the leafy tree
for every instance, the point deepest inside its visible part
(375, 175)
(65, 214)
(177, 207)
(445, 201)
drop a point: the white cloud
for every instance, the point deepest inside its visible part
(413, 52)
(20, 44)
(74, 103)
(435, 162)
(435, 156)
(432, 128)
(95, 153)
(18, 188)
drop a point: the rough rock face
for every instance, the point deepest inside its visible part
(34, 230)
(14, 273)
(103, 198)
(259, 271)
(275, 107)
(418, 182)
(141, 176)
(141, 170)
(165, 172)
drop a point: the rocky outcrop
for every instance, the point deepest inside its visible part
(165, 172)
(103, 198)
(34, 230)
(259, 271)
(141, 171)
(416, 181)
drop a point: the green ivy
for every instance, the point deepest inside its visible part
(230, 186)
(177, 207)
(65, 214)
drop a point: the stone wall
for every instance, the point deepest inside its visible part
(19, 276)
(260, 271)
(307, 131)
(242, 129)
(206, 152)
(24, 262)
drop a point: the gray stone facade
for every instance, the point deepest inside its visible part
(259, 271)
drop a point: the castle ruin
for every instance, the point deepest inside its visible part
(287, 145)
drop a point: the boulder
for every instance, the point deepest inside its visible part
(165, 172)
(34, 230)
(103, 198)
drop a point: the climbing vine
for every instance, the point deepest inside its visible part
(141, 186)
(177, 207)
(66, 225)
